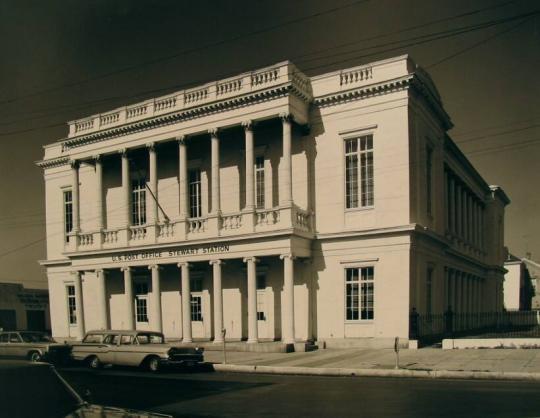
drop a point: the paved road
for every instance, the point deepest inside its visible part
(207, 394)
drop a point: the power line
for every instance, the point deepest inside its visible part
(425, 39)
(477, 44)
(188, 51)
(458, 16)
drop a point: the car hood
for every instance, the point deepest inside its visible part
(100, 411)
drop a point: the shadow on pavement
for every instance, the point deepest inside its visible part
(138, 389)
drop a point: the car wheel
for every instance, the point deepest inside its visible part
(153, 364)
(34, 356)
(94, 363)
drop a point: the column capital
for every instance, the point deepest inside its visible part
(247, 125)
(213, 132)
(252, 259)
(216, 262)
(123, 152)
(288, 255)
(154, 267)
(181, 139)
(184, 264)
(98, 158)
(151, 146)
(75, 273)
(100, 271)
(74, 163)
(286, 117)
(125, 268)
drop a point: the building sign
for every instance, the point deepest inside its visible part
(178, 252)
(34, 300)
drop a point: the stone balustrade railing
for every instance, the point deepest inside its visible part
(230, 224)
(197, 225)
(267, 217)
(219, 90)
(137, 233)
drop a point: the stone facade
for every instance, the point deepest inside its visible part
(274, 206)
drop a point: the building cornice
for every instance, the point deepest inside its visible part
(375, 89)
(53, 162)
(293, 87)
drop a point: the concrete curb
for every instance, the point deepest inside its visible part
(426, 374)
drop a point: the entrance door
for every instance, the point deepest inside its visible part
(35, 320)
(8, 319)
(197, 323)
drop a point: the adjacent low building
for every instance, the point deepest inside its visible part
(272, 206)
(23, 309)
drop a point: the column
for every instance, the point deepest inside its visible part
(156, 298)
(183, 177)
(126, 188)
(446, 203)
(102, 299)
(288, 299)
(250, 162)
(214, 139)
(469, 216)
(99, 192)
(80, 307)
(452, 204)
(446, 288)
(218, 301)
(152, 160)
(129, 301)
(253, 336)
(454, 291)
(464, 214)
(75, 195)
(458, 210)
(186, 303)
(286, 120)
(459, 293)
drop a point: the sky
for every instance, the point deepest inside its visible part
(63, 60)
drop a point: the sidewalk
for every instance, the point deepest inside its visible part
(520, 364)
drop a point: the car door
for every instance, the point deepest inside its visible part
(4, 344)
(123, 353)
(16, 346)
(108, 348)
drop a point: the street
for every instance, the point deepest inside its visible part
(209, 394)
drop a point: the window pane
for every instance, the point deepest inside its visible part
(195, 193)
(259, 182)
(351, 181)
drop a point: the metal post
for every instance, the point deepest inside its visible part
(396, 349)
(223, 332)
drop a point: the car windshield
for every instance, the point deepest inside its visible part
(150, 339)
(35, 337)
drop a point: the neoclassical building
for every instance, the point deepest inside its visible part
(274, 206)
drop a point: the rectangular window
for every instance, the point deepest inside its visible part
(259, 182)
(429, 178)
(72, 304)
(196, 308)
(68, 213)
(196, 284)
(195, 198)
(138, 202)
(359, 293)
(260, 306)
(429, 290)
(141, 301)
(359, 182)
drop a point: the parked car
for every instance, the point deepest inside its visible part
(33, 346)
(146, 349)
(32, 390)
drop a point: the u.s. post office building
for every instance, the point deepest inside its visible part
(274, 206)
